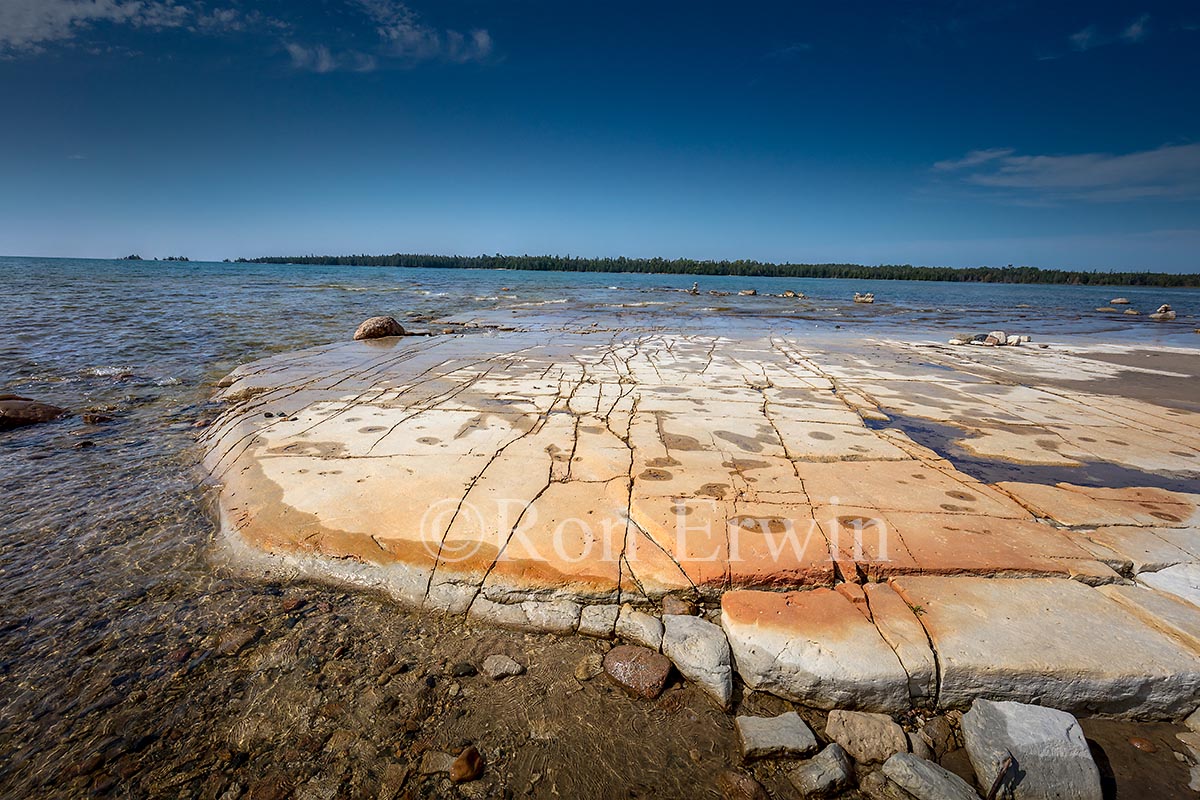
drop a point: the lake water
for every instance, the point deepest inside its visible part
(104, 544)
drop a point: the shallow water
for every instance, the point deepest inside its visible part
(110, 600)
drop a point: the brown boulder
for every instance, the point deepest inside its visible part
(16, 412)
(739, 786)
(378, 327)
(468, 766)
(638, 670)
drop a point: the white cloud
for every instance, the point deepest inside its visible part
(1085, 39)
(29, 25)
(406, 37)
(1091, 36)
(312, 59)
(1170, 171)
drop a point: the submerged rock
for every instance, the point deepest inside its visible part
(17, 412)
(638, 670)
(499, 666)
(1040, 751)
(377, 328)
(467, 767)
(738, 786)
(1119, 301)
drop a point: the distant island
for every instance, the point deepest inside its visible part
(684, 266)
(136, 257)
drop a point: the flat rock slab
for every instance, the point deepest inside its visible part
(1036, 640)
(813, 647)
(926, 780)
(544, 481)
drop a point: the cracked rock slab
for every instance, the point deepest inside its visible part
(772, 737)
(1036, 640)
(813, 647)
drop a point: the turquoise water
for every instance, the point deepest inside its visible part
(103, 538)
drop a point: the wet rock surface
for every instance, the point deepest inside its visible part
(18, 412)
(640, 671)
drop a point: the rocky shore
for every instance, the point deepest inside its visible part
(761, 520)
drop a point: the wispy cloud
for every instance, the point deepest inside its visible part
(1170, 171)
(1092, 36)
(395, 33)
(973, 159)
(30, 25)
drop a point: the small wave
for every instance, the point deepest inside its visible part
(167, 382)
(107, 372)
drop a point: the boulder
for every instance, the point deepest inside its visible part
(773, 737)
(639, 627)
(1013, 340)
(925, 780)
(748, 292)
(868, 738)
(17, 412)
(377, 328)
(827, 773)
(1133, 312)
(499, 666)
(1119, 301)
(1049, 755)
(701, 653)
(996, 337)
(1164, 312)
(598, 621)
(639, 671)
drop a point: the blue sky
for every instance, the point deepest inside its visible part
(950, 133)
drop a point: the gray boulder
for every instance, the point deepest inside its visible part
(1049, 755)
(700, 652)
(639, 627)
(827, 773)
(925, 780)
(772, 737)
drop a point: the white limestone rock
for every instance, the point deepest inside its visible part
(1050, 755)
(639, 627)
(772, 737)
(598, 621)
(701, 653)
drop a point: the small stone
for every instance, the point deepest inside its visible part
(678, 606)
(589, 667)
(499, 666)
(938, 733)
(735, 785)
(868, 738)
(377, 328)
(1050, 757)
(435, 761)
(1145, 745)
(926, 780)
(96, 419)
(292, 604)
(180, 654)
(773, 737)
(468, 766)
(464, 669)
(638, 670)
(825, 774)
(701, 653)
(919, 747)
(639, 627)
(234, 640)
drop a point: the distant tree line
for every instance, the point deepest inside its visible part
(685, 266)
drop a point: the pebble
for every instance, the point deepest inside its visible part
(1145, 745)
(234, 640)
(464, 669)
(678, 605)
(589, 667)
(467, 767)
(499, 666)
(738, 786)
